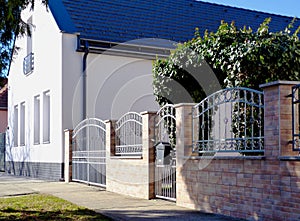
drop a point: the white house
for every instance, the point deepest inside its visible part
(94, 59)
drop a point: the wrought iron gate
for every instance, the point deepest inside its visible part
(2, 151)
(165, 137)
(88, 155)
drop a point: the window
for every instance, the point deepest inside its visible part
(29, 37)
(37, 120)
(22, 124)
(46, 117)
(15, 123)
(28, 62)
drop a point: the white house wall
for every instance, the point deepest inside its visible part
(46, 76)
(118, 84)
(72, 81)
(115, 86)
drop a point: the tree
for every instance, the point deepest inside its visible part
(238, 57)
(11, 27)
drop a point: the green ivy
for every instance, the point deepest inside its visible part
(238, 57)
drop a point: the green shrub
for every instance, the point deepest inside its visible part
(238, 57)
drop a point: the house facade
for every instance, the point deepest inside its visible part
(3, 108)
(86, 60)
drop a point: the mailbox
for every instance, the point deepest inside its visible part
(163, 153)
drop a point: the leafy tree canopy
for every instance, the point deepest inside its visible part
(238, 57)
(12, 26)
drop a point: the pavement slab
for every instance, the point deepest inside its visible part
(115, 206)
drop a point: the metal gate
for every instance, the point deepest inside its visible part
(2, 151)
(88, 154)
(165, 169)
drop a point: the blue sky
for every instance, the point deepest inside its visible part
(282, 7)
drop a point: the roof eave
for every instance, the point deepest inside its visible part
(125, 49)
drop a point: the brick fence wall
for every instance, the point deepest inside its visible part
(251, 189)
(255, 188)
(133, 176)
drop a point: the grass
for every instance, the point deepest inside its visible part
(44, 207)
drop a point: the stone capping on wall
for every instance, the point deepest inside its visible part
(185, 104)
(116, 157)
(225, 157)
(289, 158)
(279, 82)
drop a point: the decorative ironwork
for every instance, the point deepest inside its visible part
(296, 117)
(89, 152)
(129, 135)
(230, 120)
(165, 133)
(165, 182)
(28, 63)
(165, 125)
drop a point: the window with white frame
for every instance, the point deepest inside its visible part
(37, 122)
(29, 37)
(22, 124)
(46, 117)
(15, 125)
(28, 62)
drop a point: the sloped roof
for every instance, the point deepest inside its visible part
(119, 21)
(3, 97)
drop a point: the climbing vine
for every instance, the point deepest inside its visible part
(238, 57)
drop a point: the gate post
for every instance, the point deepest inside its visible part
(110, 138)
(184, 127)
(148, 148)
(184, 141)
(278, 119)
(68, 155)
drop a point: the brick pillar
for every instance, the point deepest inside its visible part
(148, 148)
(68, 155)
(110, 138)
(278, 119)
(184, 142)
(184, 137)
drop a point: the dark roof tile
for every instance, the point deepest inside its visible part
(124, 20)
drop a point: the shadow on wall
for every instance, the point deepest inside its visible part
(17, 156)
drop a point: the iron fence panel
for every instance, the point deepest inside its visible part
(89, 152)
(129, 135)
(230, 120)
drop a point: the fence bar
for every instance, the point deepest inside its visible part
(229, 120)
(129, 134)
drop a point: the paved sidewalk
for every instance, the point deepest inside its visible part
(118, 207)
